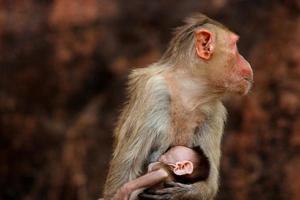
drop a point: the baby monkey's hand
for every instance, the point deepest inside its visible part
(123, 193)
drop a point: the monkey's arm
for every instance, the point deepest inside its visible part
(148, 180)
(141, 132)
(174, 190)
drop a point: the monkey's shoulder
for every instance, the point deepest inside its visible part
(145, 74)
(148, 81)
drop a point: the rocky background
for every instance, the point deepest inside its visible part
(63, 67)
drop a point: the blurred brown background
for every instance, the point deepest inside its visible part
(63, 68)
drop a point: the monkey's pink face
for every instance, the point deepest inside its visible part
(238, 73)
(228, 70)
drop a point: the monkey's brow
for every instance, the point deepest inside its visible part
(238, 38)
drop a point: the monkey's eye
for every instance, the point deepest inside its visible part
(234, 39)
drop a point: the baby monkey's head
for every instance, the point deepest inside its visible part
(183, 161)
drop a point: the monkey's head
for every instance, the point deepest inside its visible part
(209, 50)
(225, 68)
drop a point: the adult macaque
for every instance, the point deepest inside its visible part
(177, 101)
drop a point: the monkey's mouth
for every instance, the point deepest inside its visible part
(248, 86)
(250, 83)
(249, 80)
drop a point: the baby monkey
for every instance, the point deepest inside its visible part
(179, 164)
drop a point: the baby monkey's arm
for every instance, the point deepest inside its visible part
(150, 179)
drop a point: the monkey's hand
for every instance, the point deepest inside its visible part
(171, 191)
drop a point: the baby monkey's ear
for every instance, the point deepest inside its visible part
(183, 168)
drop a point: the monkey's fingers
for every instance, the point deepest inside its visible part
(176, 184)
(159, 191)
(145, 196)
(168, 193)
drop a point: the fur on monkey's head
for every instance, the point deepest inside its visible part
(184, 35)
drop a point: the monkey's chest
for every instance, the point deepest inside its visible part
(183, 125)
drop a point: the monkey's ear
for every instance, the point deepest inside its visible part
(205, 43)
(183, 167)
